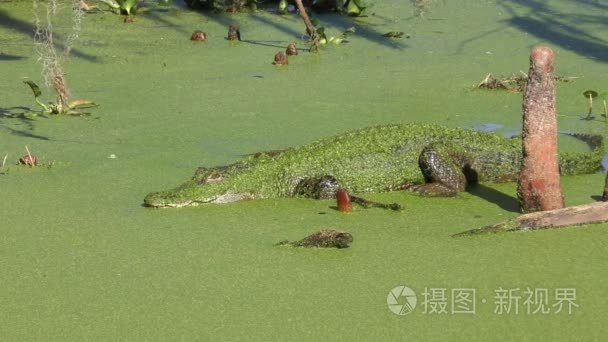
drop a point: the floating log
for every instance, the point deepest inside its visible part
(596, 212)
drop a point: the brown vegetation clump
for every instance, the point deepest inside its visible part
(514, 83)
(234, 32)
(280, 59)
(291, 50)
(198, 36)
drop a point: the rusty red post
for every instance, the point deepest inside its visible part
(539, 187)
(344, 203)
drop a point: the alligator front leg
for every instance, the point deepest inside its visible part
(324, 187)
(445, 170)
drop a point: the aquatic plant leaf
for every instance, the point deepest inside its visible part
(37, 93)
(590, 93)
(346, 32)
(34, 87)
(356, 7)
(321, 34)
(361, 3)
(127, 5)
(80, 103)
(283, 7)
(113, 4)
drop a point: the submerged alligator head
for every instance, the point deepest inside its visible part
(324, 238)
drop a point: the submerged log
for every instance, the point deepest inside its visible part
(572, 216)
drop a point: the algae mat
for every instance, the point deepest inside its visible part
(83, 260)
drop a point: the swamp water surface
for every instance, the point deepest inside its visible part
(81, 259)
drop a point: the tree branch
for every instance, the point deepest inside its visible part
(310, 28)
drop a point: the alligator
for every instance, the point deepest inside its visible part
(324, 238)
(428, 158)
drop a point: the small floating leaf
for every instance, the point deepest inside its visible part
(356, 7)
(590, 93)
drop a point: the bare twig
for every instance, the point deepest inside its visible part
(30, 156)
(312, 31)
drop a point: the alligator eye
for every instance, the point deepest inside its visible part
(214, 178)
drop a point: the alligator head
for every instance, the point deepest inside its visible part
(206, 186)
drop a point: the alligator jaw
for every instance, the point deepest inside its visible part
(158, 200)
(169, 200)
(175, 205)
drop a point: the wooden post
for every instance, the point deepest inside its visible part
(605, 193)
(538, 187)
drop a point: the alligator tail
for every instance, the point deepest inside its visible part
(576, 163)
(594, 141)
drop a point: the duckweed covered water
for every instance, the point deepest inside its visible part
(83, 260)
